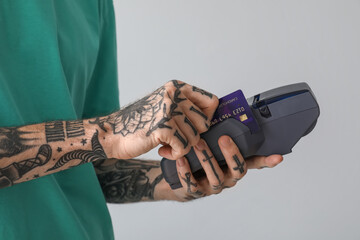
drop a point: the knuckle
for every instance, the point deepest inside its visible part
(238, 175)
(214, 101)
(216, 189)
(170, 91)
(177, 153)
(204, 127)
(178, 81)
(181, 152)
(166, 103)
(194, 140)
(222, 179)
(232, 183)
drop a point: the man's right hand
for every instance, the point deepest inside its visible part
(173, 115)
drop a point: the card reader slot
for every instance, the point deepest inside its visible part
(257, 103)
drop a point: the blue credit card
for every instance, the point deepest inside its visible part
(235, 106)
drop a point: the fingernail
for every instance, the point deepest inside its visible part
(181, 162)
(200, 145)
(225, 141)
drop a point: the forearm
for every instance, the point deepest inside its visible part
(125, 181)
(33, 151)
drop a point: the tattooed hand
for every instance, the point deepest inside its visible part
(174, 115)
(216, 178)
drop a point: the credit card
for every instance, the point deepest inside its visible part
(234, 105)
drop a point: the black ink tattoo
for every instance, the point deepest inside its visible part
(16, 170)
(127, 180)
(199, 112)
(59, 149)
(240, 165)
(97, 153)
(182, 140)
(13, 141)
(84, 141)
(137, 115)
(75, 128)
(143, 113)
(161, 123)
(172, 110)
(208, 159)
(100, 123)
(54, 131)
(192, 195)
(203, 92)
(177, 84)
(187, 121)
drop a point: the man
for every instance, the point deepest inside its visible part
(60, 115)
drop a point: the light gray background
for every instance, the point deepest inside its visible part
(225, 45)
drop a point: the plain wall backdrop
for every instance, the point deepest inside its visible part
(225, 45)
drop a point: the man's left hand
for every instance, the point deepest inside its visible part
(217, 178)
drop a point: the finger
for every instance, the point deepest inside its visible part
(259, 162)
(188, 129)
(200, 120)
(187, 180)
(177, 143)
(211, 167)
(207, 102)
(235, 161)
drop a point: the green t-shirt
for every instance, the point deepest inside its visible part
(57, 62)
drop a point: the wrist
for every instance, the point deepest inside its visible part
(108, 140)
(163, 191)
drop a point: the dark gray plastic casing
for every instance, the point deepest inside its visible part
(291, 112)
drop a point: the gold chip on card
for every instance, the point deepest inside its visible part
(243, 117)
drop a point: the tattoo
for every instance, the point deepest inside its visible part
(56, 132)
(127, 180)
(59, 149)
(203, 92)
(161, 123)
(84, 141)
(13, 141)
(182, 140)
(193, 195)
(137, 115)
(85, 156)
(144, 113)
(172, 112)
(16, 170)
(208, 159)
(240, 165)
(75, 128)
(100, 123)
(186, 120)
(199, 112)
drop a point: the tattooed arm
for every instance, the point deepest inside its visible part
(125, 181)
(173, 115)
(32, 151)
